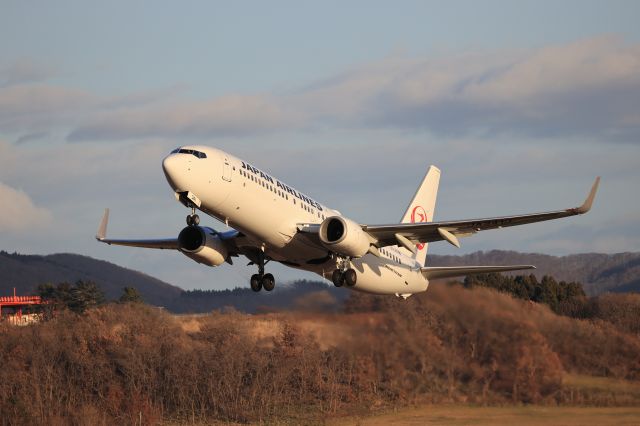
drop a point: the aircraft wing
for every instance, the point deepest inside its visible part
(436, 272)
(235, 242)
(415, 233)
(167, 243)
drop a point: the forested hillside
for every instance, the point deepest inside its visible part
(27, 272)
(314, 296)
(597, 272)
(131, 363)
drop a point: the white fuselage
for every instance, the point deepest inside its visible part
(268, 212)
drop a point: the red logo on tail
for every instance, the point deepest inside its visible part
(419, 215)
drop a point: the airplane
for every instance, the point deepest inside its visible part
(272, 221)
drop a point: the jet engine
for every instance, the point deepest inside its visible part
(202, 245)
(344, 236)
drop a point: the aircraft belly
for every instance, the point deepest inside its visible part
(300, 253)
(380, 276)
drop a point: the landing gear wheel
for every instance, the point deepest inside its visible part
(350, 277)
(268, 282)
(338, 278)
(256, 283)
(261, 280)
(193, 220)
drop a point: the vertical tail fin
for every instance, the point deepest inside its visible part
(422, 206)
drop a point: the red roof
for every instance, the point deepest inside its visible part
(20, 300)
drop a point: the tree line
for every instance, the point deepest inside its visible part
(562, 297)
(78, 297)
(566, 298)
(131, 363)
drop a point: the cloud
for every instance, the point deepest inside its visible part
(137, 99)
(229, 115)
(586, 88)
(18, 212)
(23, 71)
(618, 233)
(37, 108)
(30, 137)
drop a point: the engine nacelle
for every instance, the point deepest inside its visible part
(202, 245)
(344, 236)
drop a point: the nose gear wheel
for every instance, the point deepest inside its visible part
(193, 219)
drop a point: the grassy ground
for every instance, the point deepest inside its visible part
(529, 415)
(615, 387)
(601, 389)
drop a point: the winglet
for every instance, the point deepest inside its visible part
(102, 229)
(586, 206)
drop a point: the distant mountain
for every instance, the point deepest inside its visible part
(599, 273)
(307, 296)
(26, 272)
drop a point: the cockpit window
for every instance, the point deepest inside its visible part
(193, 152)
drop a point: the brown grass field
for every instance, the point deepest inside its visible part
(330, 333)
(512, 415)
(453, 356)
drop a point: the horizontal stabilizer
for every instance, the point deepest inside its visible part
(436, 272)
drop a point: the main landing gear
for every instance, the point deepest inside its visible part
(261, 280)
(344, 274)
(193, 219)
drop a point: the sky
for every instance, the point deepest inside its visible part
(521, 104)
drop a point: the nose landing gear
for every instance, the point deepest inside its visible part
(193, 219)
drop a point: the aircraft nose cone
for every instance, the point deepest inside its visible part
(171, 167)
